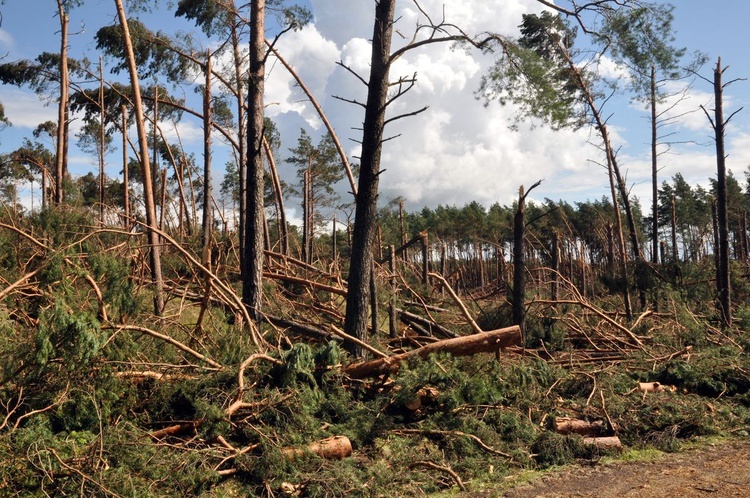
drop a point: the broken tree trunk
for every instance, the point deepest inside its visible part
(484, 342)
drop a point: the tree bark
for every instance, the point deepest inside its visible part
(673, 218)
(125, 176)
(722, 282)
(148, 190)
(279, 199)
(519, 265)
(102, 179)
(207, 124)
(484, 342)
(654, 174)
(615, 180)
(365, 217)
(62, 115)
(252, 268)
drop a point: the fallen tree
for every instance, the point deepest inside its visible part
(483, 342)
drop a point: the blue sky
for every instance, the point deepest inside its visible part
(458, 151)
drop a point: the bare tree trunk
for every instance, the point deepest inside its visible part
(675, 255)
(163, 199)
(207, 205)
(125, 177)
(654, 173)
(402, 227)
(519, 262)
(614, 174)
(365, 217)
(306, 257)
(252, 269)
(155, 151)
(62, 115)
(722, 282)
(148, 191)
(425, 258)
(101, 142)
(239, 75)
(279, 199)
(519, 266)
(207, 124)
(44, 188)
(554, 286)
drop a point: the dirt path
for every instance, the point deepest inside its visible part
(720, 470)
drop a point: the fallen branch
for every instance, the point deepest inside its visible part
(429, 325)
(174, 342)
(458, 301)
(474, 438)
(298, 328)
(176, 429)
(230, 295)
(484, 342)
(140, 375)
(238, 403)
(358, 342)
(304, 281)
(426, 463)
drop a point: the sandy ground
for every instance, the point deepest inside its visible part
(717, 470)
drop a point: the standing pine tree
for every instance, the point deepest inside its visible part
(319, 169)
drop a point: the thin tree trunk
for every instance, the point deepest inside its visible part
(125, 176)
(62, 115)
(425, 259)
(279, 199)
(207, 221)
(722, 283)
(306, 215)
(239, 75)
(163, 199)
(555, 267)
(207, 124)
(673, 217)
(614, 173)
(155, 151)
(148, 191)
(252, 269)
(519, 266)
(654, 174)
(101, 142)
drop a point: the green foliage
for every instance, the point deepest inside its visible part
(75, 337)
(537, 73)
(114, 274)
(153, 53)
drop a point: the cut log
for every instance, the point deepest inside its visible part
(424, 396)
(604, 443)
(333, 448)
(568, 425)
(484, 342)
(655, 387)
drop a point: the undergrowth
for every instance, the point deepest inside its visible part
(94, 401)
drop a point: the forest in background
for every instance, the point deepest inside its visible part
(161, 336)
